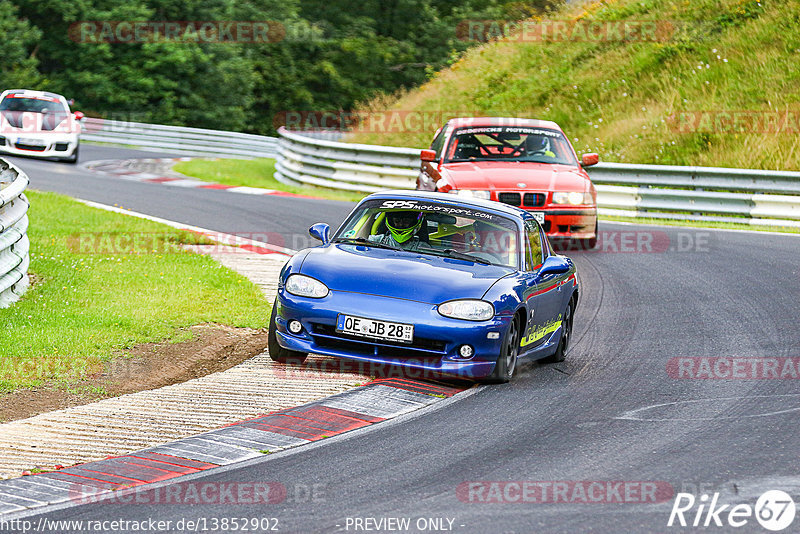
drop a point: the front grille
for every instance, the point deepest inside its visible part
(513, 199)
(420, 347)
(533, 199)
(546, 226)
(37, 148)
(369, 350)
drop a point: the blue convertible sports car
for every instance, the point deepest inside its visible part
(431, 282)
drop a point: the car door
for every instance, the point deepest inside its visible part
(543, 294)
(429, 170)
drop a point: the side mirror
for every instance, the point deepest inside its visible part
(78, 115)
(554, 265)
(587, 160)
(427, 155)
(320, 231)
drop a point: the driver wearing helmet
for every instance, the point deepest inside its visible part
(402, 229)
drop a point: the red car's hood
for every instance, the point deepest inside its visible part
(505, 175)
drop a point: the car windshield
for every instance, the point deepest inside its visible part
(32, 105)
(509, 143)
(433, 228)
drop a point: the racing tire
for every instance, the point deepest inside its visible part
(507, 360)
(73, 158)
(563, 344)
(278, 353)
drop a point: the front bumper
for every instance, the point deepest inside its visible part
(560, 220)
(573, 223)
(46, 146)
(433, 353)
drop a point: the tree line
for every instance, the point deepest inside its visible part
(233, 64)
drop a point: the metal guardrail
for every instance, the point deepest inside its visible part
(307, 160)
(14, 244)
(179, 139)
(717, 194)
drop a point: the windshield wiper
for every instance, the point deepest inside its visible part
(366, 242)
(464, 256)
(534, 160)
(452, 253)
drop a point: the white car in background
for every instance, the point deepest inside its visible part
(40, 124)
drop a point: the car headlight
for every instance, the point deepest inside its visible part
(469, 193)
(468, 309)
(305, 286)
(573, 197)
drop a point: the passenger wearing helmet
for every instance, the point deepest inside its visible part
(538, 145)
(402, 228)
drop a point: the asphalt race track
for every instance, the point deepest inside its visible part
(615, 412)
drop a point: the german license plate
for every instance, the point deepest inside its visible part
(371, 328)
(29, 141)
(539, 216)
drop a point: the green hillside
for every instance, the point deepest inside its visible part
(718, 86)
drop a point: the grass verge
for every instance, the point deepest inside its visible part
(106, 282)
(254, 173)
(668, 100)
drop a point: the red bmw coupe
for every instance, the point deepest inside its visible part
(522, 162)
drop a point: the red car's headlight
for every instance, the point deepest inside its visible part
(576, 198)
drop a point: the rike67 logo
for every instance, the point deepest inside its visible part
(774, 510)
